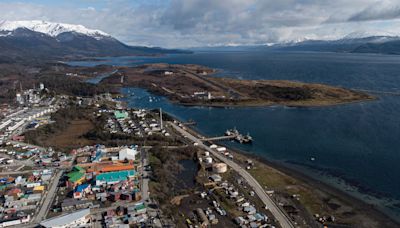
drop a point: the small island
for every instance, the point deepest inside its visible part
(198, 85)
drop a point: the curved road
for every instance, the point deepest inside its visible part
(279, 215)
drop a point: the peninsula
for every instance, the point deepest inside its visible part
(198, 85)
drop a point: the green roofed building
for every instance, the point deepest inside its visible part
(114, 177)
(120, 115)
(76, 176)
(78, 168)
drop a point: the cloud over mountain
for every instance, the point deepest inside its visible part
(185, 23)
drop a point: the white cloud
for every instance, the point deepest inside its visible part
(383, 10)
(185, 23)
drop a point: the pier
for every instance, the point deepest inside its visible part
(225, 137)
(189, 123)
(232, 134)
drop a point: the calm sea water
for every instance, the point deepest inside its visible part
(356, 146)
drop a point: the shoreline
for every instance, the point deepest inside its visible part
(269, 104)
(184, 82)
(257, 103)
(320, 185)
(248, 105)
(312, 182)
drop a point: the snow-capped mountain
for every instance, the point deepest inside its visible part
(51, 41)
(49, 28)
(365, 34)
(356, 42)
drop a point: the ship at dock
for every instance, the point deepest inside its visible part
(237, 136)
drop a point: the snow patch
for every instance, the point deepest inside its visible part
(50, 28)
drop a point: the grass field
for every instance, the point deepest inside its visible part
(72, 135)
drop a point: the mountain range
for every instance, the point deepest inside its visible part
(42, 40)
(376, 43)
(20, 40)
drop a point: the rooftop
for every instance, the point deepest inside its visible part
(120, 115)
(115, 176)
(64, 220)
(75, 176)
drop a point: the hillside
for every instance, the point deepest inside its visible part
(40, 40)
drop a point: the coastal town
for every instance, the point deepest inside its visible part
(111, 186)
(199, 114)
(134, 167)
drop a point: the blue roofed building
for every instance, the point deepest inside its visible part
(80, 190)
(114, 177)
(120, 114)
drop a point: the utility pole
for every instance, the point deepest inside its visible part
(161, 120)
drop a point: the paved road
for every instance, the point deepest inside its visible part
(166, 147)
(279, 215)
(22, 144)
(215, 85)
(48, 198)
(17, 172)
(145, 177)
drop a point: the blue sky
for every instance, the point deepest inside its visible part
(188, 23)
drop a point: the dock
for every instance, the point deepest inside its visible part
(189, 123)
(232, 134)
(218, 138)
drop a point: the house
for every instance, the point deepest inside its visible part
(82, 159)
(19, 138)
(137, 195)
(140, 208)
(259, 217)
(115, 196)
(46, 177)
(216, 178)
(14, 221)
(15, 192)
(38, 189)
(250, 210)
(254, 225)
(32, 184)
(75, 219)
(251, 218)
(34, 197)
(240, 220)
(81, 190)
(20, 181)
(101, 196)
(126, 196)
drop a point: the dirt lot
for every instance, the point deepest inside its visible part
(72, 135)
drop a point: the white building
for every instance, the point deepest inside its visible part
(127, 153)
(76, 219)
